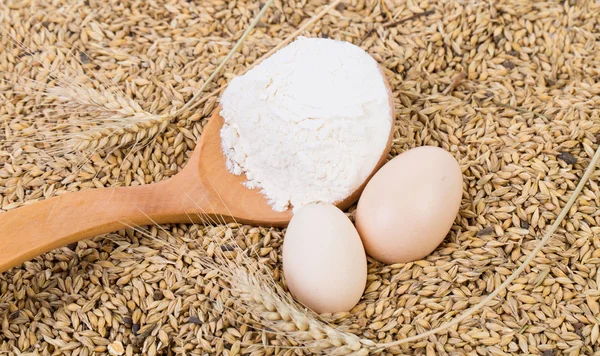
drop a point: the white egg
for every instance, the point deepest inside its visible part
(324, 262)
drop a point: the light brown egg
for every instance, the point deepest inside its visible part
(410, 204)
(324, 262)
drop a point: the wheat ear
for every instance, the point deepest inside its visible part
(271, 305)
(122, 119)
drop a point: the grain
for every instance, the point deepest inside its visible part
(530, 96)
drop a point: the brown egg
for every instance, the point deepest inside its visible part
(410, 204)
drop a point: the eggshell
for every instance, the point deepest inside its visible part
(410, 204)
(324, 262)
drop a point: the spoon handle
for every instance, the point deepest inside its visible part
(31, 230)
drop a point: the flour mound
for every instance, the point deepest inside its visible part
(307, 124)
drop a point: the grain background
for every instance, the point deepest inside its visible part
(510, 88)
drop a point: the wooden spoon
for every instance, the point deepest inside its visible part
(204, 191)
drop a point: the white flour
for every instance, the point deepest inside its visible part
(307, 124)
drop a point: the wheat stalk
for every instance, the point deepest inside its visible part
(192, 105)
(563, 213)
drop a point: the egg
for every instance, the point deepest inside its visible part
(324, 261)
(409, 206)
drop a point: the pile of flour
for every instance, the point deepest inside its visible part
(307, 124)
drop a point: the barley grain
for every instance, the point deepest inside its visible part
(523, 124)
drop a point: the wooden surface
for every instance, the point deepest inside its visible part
(203, 192)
